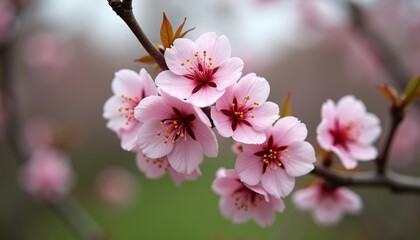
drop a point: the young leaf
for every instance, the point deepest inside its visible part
(286, 106)
(166, 32)
(147, 59)
(411, 91)
(186, 32)
(179, 33)
(390, 94)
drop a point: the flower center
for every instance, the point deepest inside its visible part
(128, 105)
(343, 134)
(177, 127)
(200, 71)
(240, 112)
(272, 156)
(245, 197)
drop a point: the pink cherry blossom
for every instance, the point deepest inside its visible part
(242, 112)
(176, 129)
(240, 202)
(129, 89)
(157, 167)
(199, 71)
(348, 130)
(328, 205)
(47, 175)
(276, 162)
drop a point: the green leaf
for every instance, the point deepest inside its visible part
(147, 59)
(286, 106)
(389, 93)
(166, 32)
(411, 91)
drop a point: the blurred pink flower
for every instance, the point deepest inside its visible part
(47, 175)
(199, 71)
(129, 89)
(348, 130)
(276, 162)
(328, 205)
(157, 167)
(240, 202)
(7, 15)
(116, 186)
(176, 129)
(48, 53)
(237, 148)
(242, 112)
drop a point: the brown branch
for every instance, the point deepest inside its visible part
(393, 181)
(125, 11)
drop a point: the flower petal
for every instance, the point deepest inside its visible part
(218, 48)
(288, 130)
(249, 168)
(277, 182)
(222, 123)
(257, 88)
(175, 85)
(228, 73)
(152, 145)
(186, 156)
(181, 50)
(206, 96)
(300, 158)
(245, 134)
(265, 115)
(153, 168)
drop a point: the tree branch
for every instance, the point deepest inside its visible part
(125, 11)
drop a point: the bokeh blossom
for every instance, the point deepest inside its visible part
(7, 15)
(328, 205)
(199, 71)
(241, 202)
(129, 89)
(242, 112)
(176, 129)
(348, 130)
(276, 162)
(155, 168)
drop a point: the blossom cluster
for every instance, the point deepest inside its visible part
(168, 124)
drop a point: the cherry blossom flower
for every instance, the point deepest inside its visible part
(348, 130)
(157, 167)
(199, 71)
(240, 202)
(276, 162)
(116, 186)
(176, 129)
(47, 175)
(129, 89)
(242, 112)
(328, 205)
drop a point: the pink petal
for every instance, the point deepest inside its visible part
(371, 129)
(363, 153)
(327, 213)
(328, 110)
(153, 168)
(249, 168)
(256, 88)
(175, 85)
(288, 130)
(306, 199)
(147, 83)
(152, 107)
(350, 200)
(206, 137)
(181, 50)
(325, 139)
(178, 178)
(186, 156)
(264, 214)
(265, 115)
(228, 73)
(126, 82)
(218, 48)
(300, 158)
(129, 136)
(349, 162)
(151, 144)
(229, 211)
(248, 135)
(349, 108)
(222, 123)
(111, 113)
(206, 96)
(225, 186)
(277, 182)
(226, 100)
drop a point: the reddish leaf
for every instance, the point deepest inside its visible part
(186, 32)
(147, 59)
(390, 94)
(166, 32)
(179, 29)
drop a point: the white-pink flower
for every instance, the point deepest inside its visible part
(129, 89)
(241, 202)
(328, 205)
(276, 162)
(199, 71)
(242, 112)
(47, 175)
(176, 129)
(157, 167)
(348, 130)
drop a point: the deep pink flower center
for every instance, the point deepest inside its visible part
(343, 134)
(177, 127)
(272, 155)
(240, 113)
(245, 198)
(128, 105)
(200, 71)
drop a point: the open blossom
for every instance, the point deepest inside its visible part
(348, 130)
(199, 71)
(129, 89)
(242, 112)
(240, 202)
(47, 175)
(157, 167)
(276, 162)
(176, 129)
(328, 205)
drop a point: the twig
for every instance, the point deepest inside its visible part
(125, 11)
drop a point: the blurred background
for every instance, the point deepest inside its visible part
(62, 58)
